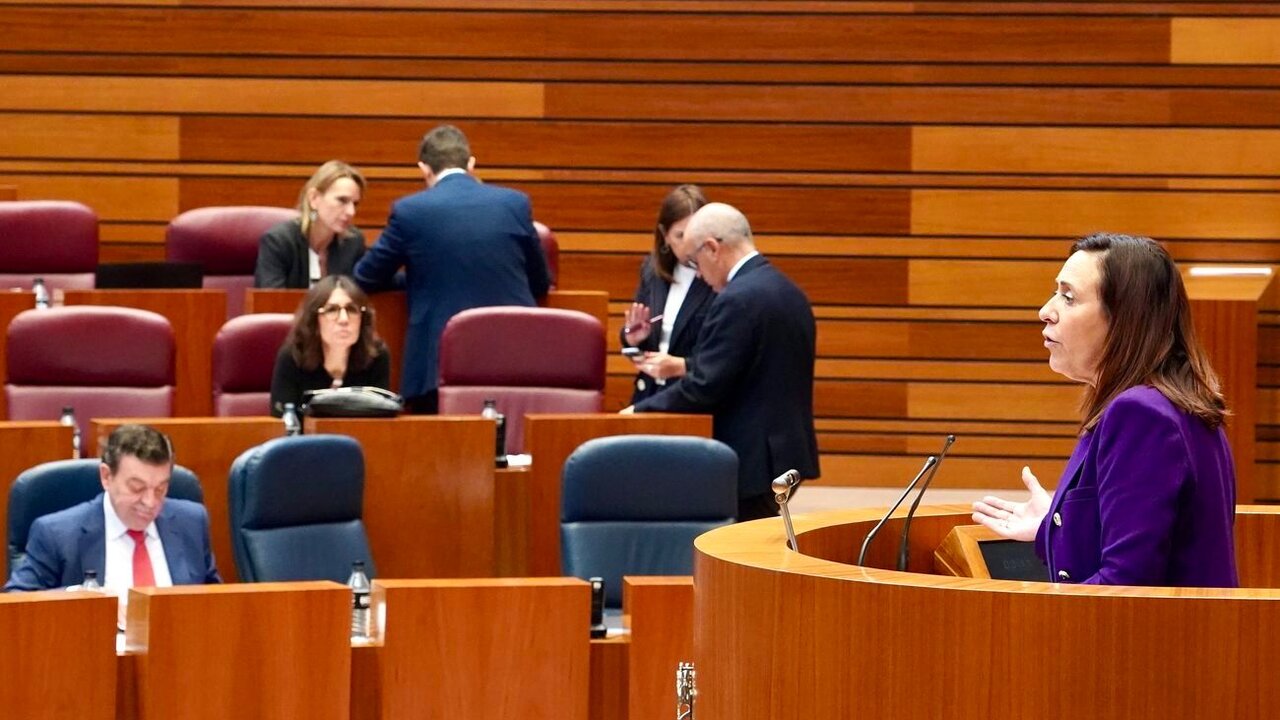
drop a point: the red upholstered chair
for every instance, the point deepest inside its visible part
(244, 356)
(531, 360)
(103, 361)
(224, 241)
(551, 249)
(53, 239)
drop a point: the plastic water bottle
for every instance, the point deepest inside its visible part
(490, 411)
(361, 627)
(292, 425)
(69, 419)
(42, 293)
(90, 582)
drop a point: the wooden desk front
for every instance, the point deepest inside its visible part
(24, 445)
(11, 303)
(481, 649)
(59, 657)
(428, 492)
(271, 651)
(847, 641)
(196, 317)
(550, 439)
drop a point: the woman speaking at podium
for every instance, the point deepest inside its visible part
(1148, 496)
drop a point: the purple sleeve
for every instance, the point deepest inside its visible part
(1142, 464)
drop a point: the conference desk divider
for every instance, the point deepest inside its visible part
(12, 302)
(59, 659)
(780, 634)
(274, 651)
(24, 445)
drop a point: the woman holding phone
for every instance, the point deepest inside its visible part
(663, 322)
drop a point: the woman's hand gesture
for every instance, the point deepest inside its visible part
(1015, 521)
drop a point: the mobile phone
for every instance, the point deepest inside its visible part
(632, 352)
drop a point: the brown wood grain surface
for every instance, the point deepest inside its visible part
(61, 661)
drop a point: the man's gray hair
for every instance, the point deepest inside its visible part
(725, 223)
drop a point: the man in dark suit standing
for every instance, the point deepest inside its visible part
(752, 365)
(130, 535)
(463, 244)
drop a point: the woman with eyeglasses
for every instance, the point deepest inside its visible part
(665, 318)
(333, 343)
(322, 240)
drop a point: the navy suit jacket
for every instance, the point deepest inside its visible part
(463, 244)
(63, 545)
(752, 370)
(653, 292)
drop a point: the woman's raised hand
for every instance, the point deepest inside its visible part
(1015, 521)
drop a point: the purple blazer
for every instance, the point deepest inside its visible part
(1148, 498)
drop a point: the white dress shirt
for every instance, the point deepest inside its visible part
(738, 265)
(682, 280)
(119, 561)
(313, 265)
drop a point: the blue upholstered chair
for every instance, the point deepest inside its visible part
(53, 486)
(632, 505)
(296, 505)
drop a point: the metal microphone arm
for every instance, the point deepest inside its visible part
(782, 487)
(928, 463)
(911, 512)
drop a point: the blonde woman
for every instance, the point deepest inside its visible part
(322, 241)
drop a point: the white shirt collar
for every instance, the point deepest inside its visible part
(738, 265)
(451, 171)
(684, 274)
(115, 527)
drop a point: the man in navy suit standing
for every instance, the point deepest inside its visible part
(752, 365)
(463, 244)
(130, 535)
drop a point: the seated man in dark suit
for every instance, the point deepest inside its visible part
(463, 244)
(130, 535)
(751, 367)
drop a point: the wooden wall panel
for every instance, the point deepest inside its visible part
(919, 169)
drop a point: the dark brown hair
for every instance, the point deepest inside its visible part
(444, 147)
(304, 338)
(679, 204)
(141, 441)
(1150, 336)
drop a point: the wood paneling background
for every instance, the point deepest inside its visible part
(919, 168)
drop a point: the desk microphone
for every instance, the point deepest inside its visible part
(906, 524)
(782, 487)
(928, 463)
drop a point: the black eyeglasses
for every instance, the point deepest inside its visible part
(692, 261)
(331, 311)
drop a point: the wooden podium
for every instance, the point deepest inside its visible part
(1224, 305)
(784, 635)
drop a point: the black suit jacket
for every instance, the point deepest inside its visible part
(752, 371)
(653, 291)
(283, 262)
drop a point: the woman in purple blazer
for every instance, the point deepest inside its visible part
(1148, 496)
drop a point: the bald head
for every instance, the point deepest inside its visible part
(723, 222)
(716, 238)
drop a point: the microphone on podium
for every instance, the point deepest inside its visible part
(906, 524)
(782, 487)
(928, 463)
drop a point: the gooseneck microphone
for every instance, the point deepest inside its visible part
(906, 524)
(782, 487)
(928, 463)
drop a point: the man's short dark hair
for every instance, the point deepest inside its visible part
(443, 148)
(141, 441)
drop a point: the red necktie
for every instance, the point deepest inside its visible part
(143, 576)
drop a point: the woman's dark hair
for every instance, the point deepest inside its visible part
(679, 204)
(304, 338)
(1150, 336)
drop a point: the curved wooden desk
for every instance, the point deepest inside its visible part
(786, 635)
